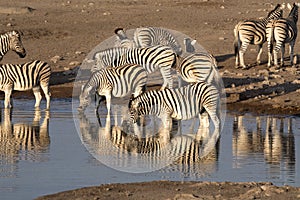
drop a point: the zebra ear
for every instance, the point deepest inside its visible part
(130, 101)
(120, 33)
(289, 6)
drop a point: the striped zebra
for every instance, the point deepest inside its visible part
(21, 77)
(148, 37)
(252, 32)
(114, 81)
(151, 58)
(11, 41)
(282, 31)
(180, 103)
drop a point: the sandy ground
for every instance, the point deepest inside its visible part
(62, 33)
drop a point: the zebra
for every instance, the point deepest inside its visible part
(11, 41)
(282, 31)
(114, 81)
(26, 76)
(252, 32)
(148, 37)
(180, 103)
(151, 58)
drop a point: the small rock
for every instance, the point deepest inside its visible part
(106, 13)
(74, 63)
(79, 52)
(56, 58)
(297, 81)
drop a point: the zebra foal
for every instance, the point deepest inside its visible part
(282, 31)
(150, 58)
(113, 81)
(11, 41)
(180, 103)
(252, 32)
(21, 77)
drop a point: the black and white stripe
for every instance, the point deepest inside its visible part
(282, 31)
(21, 77)
(180, 103)
(114, 81)
(199, 67)
(151, 58)
(11, 41)
(148, 37)
(252, 32)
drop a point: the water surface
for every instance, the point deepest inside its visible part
(42, 153)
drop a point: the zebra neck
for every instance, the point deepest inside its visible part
(5, 45)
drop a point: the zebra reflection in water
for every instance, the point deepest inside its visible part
(271, 137)
(117, 146)
(22, 141)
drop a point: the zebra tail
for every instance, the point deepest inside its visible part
(272, 41)
(236, 41)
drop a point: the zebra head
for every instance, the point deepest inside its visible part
(134, 109)
(16, 43)
(84, 98)
(293, 11)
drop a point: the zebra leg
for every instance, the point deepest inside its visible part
(38, 97)
(7, 103)
(45, 88)
(167, 77)
(282, 55)
(275, 51)
(292, 53)
(259, 54)
(241, 54)
(108, 103)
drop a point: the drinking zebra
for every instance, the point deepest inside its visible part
(282, 31)
(21, 77)
(151, 58)
(148, 37)
(114, 81)
(180, 103)
(11, 41)
(252, 32)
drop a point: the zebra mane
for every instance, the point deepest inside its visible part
(270, 13)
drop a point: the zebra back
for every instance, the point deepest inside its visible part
(24, 76)
(199, 67)
(126, 79)
(11, 41)
(152, 36)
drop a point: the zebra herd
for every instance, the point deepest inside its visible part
(125, 68)
(31, 75)
(274, 29)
